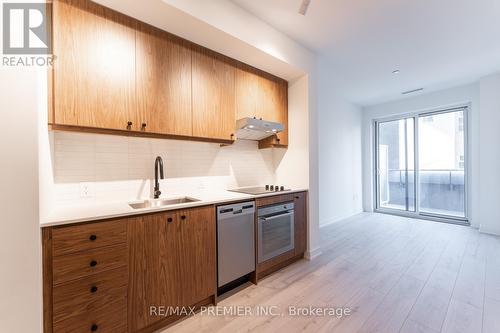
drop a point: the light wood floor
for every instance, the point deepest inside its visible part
(396, 274)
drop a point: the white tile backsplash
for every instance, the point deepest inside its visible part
(121, 168)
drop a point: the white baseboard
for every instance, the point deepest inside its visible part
(488, 231)
(338, 219)
(311, 255)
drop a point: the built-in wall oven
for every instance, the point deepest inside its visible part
(275, 230)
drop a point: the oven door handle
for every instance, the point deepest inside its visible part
(264, 219)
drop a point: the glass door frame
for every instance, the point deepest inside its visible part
(417, 214)
(378, 207)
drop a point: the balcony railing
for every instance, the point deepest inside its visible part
(440, 190)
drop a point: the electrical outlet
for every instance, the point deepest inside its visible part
(85, 190)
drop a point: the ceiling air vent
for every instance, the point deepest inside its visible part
(412, 91)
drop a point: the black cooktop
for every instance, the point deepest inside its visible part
(260, 189)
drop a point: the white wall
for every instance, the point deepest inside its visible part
(489, 155)
(340, 148)
(297, 153)
(468, 94)
(20, 269)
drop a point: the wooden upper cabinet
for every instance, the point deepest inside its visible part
(213, 95)
(163, 82)
(246, 92)
(94, 70)
(273, 103)
(113, 72)
(262, 95)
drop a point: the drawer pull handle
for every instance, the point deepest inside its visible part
(93, 263)
(93, 237)
(297, 197)
(169, 219)
(183, 217)
(93, 289)
(93, 328)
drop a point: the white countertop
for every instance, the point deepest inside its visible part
(90, 212)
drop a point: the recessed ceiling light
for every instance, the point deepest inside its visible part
(396, 71)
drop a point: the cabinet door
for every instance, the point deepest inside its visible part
(94, 72)
(300, 203)
(154, 267)
(246, 92)
(273, 103)
(213, 95)
(163, 82)
(198, 254)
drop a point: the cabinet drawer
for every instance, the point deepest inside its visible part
(274, 199)
(74, 266)
(88, 236)
(92, 293)
(111, 319)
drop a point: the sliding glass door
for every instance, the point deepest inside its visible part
(436, 144)
(396, 171)
(441, 160)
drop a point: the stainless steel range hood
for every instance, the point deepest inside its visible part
(256, 129)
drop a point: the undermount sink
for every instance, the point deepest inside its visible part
(161, 202)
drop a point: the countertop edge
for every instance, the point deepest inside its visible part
(54, 222)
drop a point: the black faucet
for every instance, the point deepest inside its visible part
(158, 165)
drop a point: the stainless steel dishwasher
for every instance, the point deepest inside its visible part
(235, 241)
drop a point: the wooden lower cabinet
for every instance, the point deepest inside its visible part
(300, 213)
(165, 259)
(198, 254)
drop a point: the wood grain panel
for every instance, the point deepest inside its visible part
(246, 92)
(136, 134)
(269, 99)
(94, 72)
(198, 254)
(163, 81)
(47, 279)
(213, 95)
(78, 265)
(71, 239)
(78, 297)
(112, 320)
(273, 103)
(154, 265)
(282, 111)
(262, 95)
(300, 229)
(166, 321)
(274, 199)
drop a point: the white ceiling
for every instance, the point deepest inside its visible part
(434, 43)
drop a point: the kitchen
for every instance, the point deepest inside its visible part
(165, 160)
